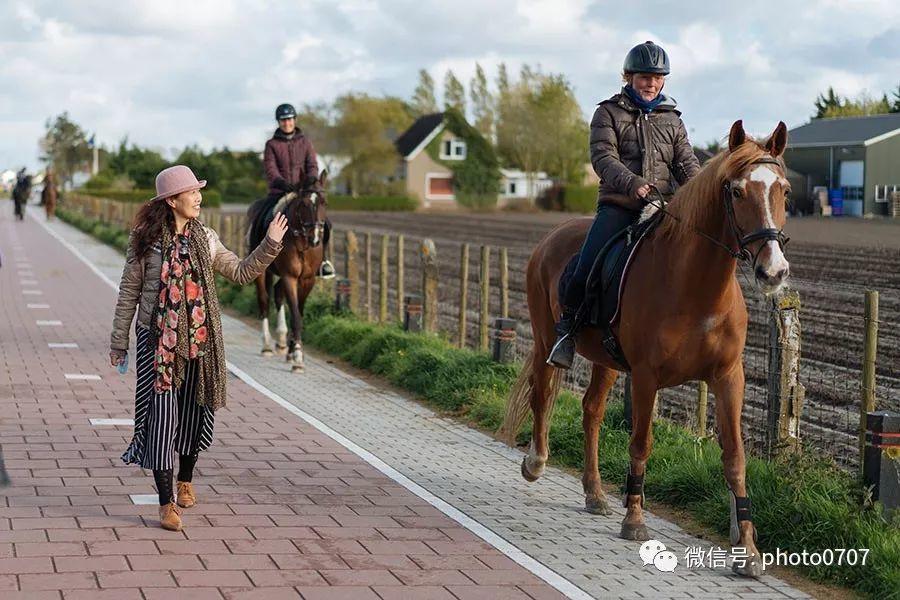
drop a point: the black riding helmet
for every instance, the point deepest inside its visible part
(647, 58)
(285, 111)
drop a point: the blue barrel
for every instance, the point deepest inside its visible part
(836, 197)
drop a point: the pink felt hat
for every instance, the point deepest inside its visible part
(175, 180)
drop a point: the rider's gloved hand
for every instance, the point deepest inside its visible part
(639, 188)
(282, 185)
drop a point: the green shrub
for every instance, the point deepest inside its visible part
(210, 197)
(580, 199)
(243, 190)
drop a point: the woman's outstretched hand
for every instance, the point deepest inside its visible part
(277, 227)
(116, 357)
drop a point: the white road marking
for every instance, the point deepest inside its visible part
(82, 377)
(48, 323)
(112, 421)
(62, 345)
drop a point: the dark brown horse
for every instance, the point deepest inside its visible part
(296, 267)
(682, 318)
(49, 195)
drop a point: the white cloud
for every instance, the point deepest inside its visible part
(170, 73)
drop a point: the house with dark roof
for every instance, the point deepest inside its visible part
(857, 158)
(426, 178)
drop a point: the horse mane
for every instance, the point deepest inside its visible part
(698, 201)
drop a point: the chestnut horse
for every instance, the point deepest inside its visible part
(682, 318)
(296, 267)
(49, 195)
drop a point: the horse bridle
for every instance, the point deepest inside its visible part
(306, 227)
(768, 234)
(743, 253)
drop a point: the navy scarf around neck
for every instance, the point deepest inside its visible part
(642, 104)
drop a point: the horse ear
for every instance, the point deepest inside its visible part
(777, 143)
(736, 136)
(323, 179)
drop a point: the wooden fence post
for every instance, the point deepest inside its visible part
(785, 393)
(485, 298)
(504, 283)
(400, 275)
(369, 308)
(383, 283)
(463, 292)
(702, 405)
(352, 249)
(870, 352)
(430, 286)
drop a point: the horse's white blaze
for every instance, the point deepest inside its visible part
(777, 261)
(314, 198)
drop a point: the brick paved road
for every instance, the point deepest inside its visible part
(285, 511)
(469, 475)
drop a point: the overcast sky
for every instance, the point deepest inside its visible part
(169, 73)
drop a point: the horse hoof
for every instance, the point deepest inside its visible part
(751, 567)
(526, 474)
(297, 368)
(637, 533)
(267, 352)
(597, 505)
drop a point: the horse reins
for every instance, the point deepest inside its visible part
(742, 254)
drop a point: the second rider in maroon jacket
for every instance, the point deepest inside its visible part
(290, 160)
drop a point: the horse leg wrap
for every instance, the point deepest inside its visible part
(634, 486)
(740, 511)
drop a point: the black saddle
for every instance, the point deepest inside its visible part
(605, 284)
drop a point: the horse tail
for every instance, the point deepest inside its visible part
(518, 403)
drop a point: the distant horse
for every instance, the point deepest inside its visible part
(21, 193)
(49, 195)
(296, 265)
(682, 318)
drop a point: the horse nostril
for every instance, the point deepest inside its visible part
(782, 274)
(761, 273)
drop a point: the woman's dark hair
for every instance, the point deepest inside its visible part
(148, 225)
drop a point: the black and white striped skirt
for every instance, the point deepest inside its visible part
(169, 422)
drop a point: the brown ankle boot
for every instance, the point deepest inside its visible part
(170, 517)
(186, 497)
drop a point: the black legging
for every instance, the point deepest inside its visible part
(610, 219)
(163, 477)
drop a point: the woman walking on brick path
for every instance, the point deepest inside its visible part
(169, 277)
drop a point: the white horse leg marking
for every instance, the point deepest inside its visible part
(296, 358)
(266, 337)
(281, 328)
(534, 463)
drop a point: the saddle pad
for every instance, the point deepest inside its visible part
(606, 282)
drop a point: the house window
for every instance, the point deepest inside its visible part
(512, 188)
(453, 150)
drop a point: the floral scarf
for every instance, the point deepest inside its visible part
(184, 330)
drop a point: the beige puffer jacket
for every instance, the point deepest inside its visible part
(140, 280)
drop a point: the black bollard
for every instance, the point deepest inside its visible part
(412, 317)
(342, 295)
(504, 334)
(881, 466)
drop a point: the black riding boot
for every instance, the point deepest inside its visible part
(563, 352)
